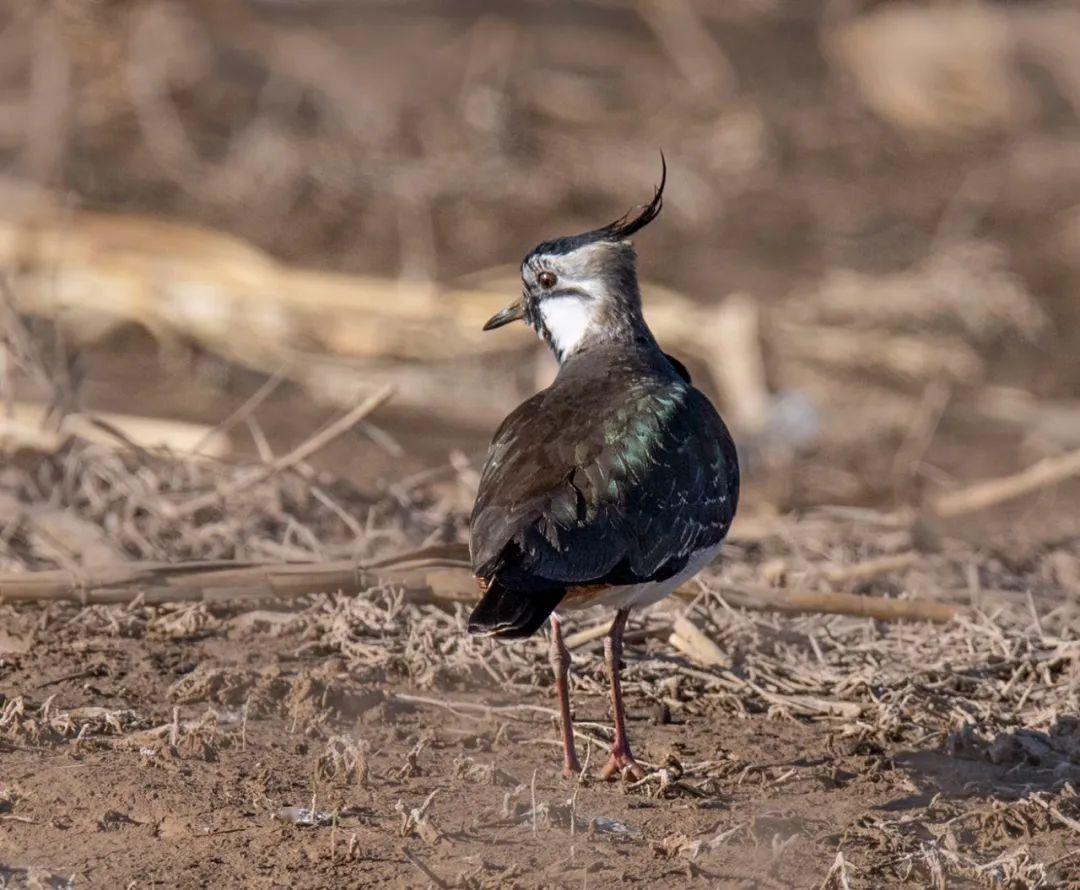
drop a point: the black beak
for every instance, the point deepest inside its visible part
(513, 312)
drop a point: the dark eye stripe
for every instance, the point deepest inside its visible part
(569, 291)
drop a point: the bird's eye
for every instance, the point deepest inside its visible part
(547, 280)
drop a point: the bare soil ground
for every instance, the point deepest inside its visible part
(764, 800)
(340, 740)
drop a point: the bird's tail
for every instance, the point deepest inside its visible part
(512, 614)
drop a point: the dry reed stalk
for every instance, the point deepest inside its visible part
(424, 580)
(218, 582)
(692, 642)
(1048, 471)
(812, 601)
(871, 568)
(27, 425)
(597, 631)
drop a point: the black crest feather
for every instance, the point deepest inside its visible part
(619, 230)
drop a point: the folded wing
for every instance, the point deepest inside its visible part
(656, 481)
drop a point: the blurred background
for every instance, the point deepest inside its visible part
(869, 253)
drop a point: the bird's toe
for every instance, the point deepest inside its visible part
(622, 765)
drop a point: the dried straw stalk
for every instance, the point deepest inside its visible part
(220, 582)
(431, 575)
(1048, 471)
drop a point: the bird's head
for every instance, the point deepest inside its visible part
(583, 288)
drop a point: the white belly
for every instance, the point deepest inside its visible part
(641, 595)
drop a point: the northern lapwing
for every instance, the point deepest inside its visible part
(611, 487)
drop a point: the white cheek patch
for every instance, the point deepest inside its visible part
(567, 320)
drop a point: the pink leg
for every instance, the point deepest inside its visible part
(621, 759)
(560, 663)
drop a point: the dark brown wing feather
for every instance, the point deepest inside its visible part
(616, 474)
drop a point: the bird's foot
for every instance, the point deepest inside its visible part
(620, 764)
(571, 769)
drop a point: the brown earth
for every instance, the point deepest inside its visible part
(189, 745)
(782, 796)
(769, 799)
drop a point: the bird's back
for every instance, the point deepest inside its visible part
(615, 475)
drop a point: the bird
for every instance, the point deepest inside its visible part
(612, 486)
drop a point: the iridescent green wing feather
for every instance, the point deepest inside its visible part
(655, 481)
